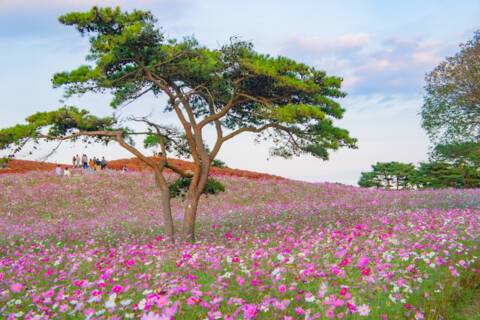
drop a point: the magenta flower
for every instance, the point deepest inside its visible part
(363, 262)
(117, 288)
(249, 311)
(240, 281)
(16, 287)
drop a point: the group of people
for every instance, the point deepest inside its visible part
(62, 172)
(85, 163)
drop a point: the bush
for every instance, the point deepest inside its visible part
(4, 162)
(180, 187)
(219, 163)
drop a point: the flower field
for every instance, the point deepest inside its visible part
(91, 247)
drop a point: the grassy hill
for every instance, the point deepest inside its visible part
(91, 246)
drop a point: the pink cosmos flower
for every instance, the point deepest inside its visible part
(351, 307)
(363, 262)
(299, 311)
(169, 312)
(63, 308)
(117, 288)
(88, 312)
(336, 271)
(192, 300)
(79, 283)
(366, 271)
(281, 305)
(255, 282)
(162, 301)
(96, 292)
(363, 310)
(250, 311)
(240, 281)
(344, 262)
(214, 315)
(282, 288)
(16, 287)
(341, 253)
(330, 313)
(453, 271)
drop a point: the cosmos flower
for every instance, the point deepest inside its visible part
(363, 310)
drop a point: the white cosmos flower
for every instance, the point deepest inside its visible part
(141, 304)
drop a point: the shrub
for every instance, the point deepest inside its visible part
(180, 187)
(4, 162)
(219, 163)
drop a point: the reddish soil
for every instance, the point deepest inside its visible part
(21, 166)
(133, 164)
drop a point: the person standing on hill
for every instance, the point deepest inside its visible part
(103, 163)
(58, 170)
(74, 161)
(85, 161)
(78, 163)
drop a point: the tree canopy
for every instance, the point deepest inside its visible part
(54, 125)
(389, 174)
(434, 174)
(451, 109)
(460, 153)
(233, 87)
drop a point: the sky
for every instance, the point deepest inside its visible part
(382, 49)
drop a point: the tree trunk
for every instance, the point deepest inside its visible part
(167, 215)
(190, 217)
(166, 206)
(193, 198)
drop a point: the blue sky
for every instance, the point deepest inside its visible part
(382, 49)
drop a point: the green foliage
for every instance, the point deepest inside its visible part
(173, 140)
(437, 175)
(389, 174)
(459, 153)
(180, 187)
(4, 161)
(369, 179)
(296, 102)
(151, 141)
(219, 163)
(428, 175)
(451, 106)
(52, 125)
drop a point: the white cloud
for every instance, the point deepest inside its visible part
(320, 45)
(370, 64)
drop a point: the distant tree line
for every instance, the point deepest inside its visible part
(450, 166)
(451, 117)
